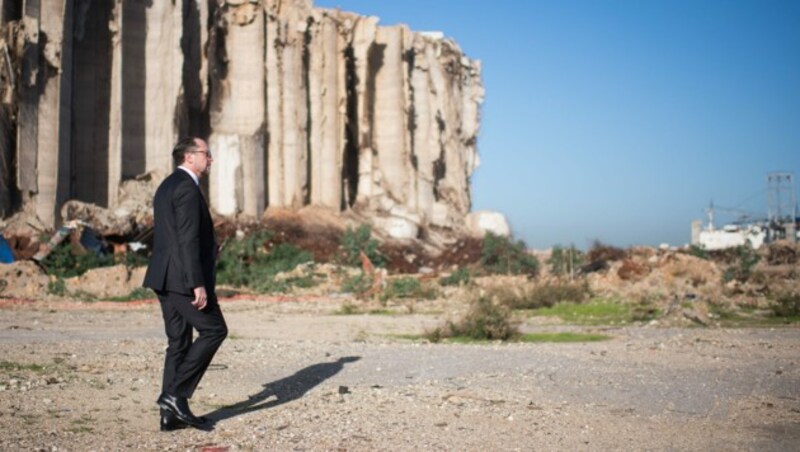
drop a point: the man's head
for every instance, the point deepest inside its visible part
(193, 154)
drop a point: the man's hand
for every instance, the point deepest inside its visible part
(200, 298)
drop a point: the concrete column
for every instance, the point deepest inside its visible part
(472, 96)
(441, 212)
(238, 116)
(115, 112)
(134, 88)
(294, 109)
(52, 117)
(163, 76)
(29, 87)
(272, 62)
(327, 101)
(368, 59)
(287, 99)
(91, 102)
(425, 133)
(7, 124)
(316, 92)
(390, 128)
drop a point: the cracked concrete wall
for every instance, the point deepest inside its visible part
(456, 82)
(163, 82)
(238, 112)
(364, 32)
(300, 105)
(328, 114)
(390, 129)
(53, 115)
(34, 123)
(287, 102)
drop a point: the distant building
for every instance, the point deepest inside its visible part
(730, 236)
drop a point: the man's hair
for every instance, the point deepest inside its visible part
(184, 146)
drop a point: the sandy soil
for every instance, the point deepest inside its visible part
(294, 376)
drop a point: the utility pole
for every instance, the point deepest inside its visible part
(782, 203)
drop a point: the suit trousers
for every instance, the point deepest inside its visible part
(186, 361)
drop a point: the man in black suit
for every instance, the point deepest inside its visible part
(182, 273)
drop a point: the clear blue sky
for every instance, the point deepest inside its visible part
(621, 120)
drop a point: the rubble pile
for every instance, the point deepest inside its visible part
(104, 283)
(23, 279)
(657, 274)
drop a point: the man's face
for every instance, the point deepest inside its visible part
(199, 160)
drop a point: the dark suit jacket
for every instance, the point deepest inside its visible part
(184, 247)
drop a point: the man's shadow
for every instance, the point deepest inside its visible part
(284, 390)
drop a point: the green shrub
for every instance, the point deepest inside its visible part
(303, 282)
(269, 284)
(133, 260)
(236, 258)
(562, 260)
(407, 287)
(357, 285)
(484, 321)
(500, 255)
(787, 305)
(546, 295)
(459, 277)
(285, 257)
(247, 263)
(354, 241)
(699, 252)
(62, 263)
(600, 252)
(745, 259)
(57, 287)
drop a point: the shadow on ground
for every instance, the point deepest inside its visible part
(284, 390)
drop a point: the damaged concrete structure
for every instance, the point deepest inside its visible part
(301, 106)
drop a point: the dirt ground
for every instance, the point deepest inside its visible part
(295, 376)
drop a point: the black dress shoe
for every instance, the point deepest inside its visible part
(169, 422)
(179, 407)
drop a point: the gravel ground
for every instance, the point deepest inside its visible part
(293, 376)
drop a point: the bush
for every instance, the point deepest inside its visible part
(356, 241)
(285, 257)
(358, 285)
(247, 263)
(459, 277)
(500, 255)
(600, 252)
(62, 263)
(698, 252)
(407, 287)
(233, 265)
(484, 321)
(303, 282)
(57, 287)
(787, 305)
(544, 296)
(270, 285)
(562, 260)
(133, 260)
(745, 259)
